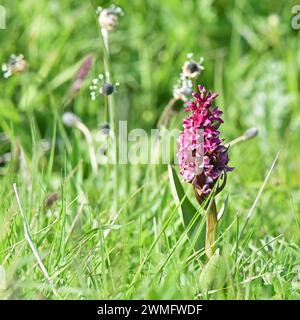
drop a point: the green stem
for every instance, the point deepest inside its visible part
(211, 229)
(106, 109)
(111, 114)
(106, 62)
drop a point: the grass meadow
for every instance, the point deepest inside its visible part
(117, 233)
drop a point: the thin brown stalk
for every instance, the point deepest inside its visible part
(166, 114)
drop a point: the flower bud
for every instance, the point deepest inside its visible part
(105, 127)
(70, 119)
(251, 133)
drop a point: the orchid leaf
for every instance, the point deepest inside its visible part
(213, 274)
(190, 215)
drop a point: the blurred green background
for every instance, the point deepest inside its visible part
(252, 59)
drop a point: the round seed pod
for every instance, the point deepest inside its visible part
(107, 89)
(70, 119)
(191, 69)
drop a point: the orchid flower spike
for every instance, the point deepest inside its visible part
(202, 155)
(203, 158)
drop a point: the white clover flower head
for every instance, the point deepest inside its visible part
(15, 65)
(101, 86)
(108, 17)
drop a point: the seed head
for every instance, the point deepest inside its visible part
(191, 68)
(50, 199)
(183, 89)
(15, 65)
(105, 127)
(103, 151)
(81, 74)
(70, 119)
(108, 18)
(251, 133)
(107, 89)
(100, 86)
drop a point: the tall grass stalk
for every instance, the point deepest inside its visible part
(31, 244)
(110, 107)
